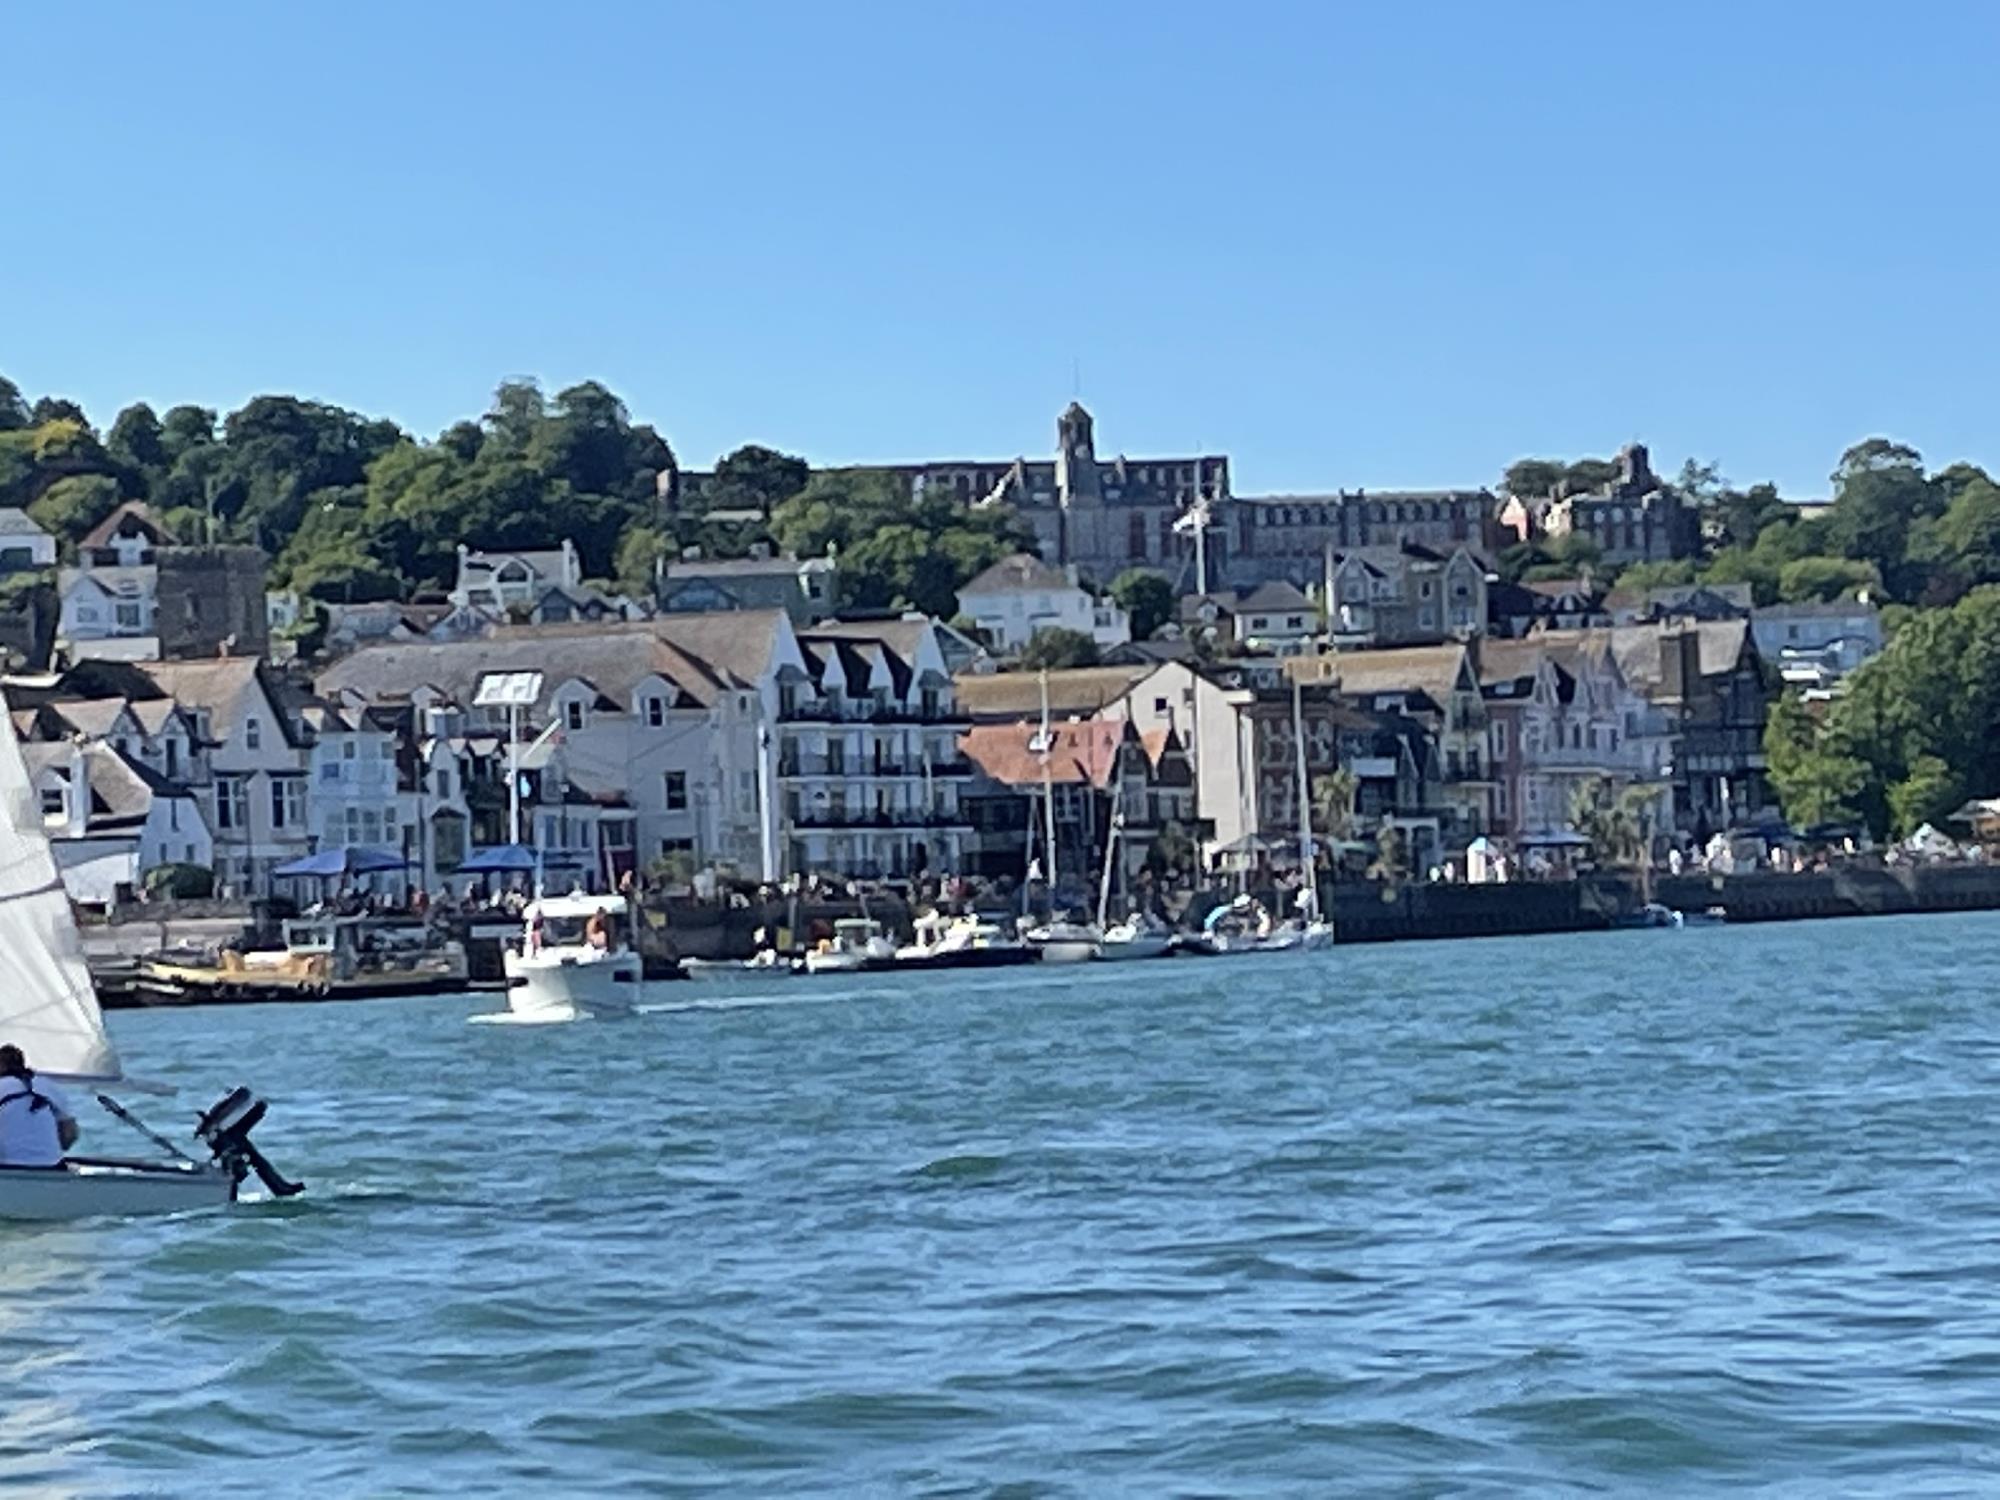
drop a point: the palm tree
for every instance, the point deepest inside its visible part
(1333, 798)
(1618, 823)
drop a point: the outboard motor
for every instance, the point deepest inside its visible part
(225, 1130)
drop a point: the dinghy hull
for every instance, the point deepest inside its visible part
(98, 1189)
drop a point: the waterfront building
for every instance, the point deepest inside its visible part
(256, 757)
(1021, 596)
(731, 738)
(1708, 679)
(111, 819)
(870, 768)
(1096, 770)
(1438, 687)
(1234, 719)
(1560, 713)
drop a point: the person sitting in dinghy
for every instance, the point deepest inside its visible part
(35, 1130)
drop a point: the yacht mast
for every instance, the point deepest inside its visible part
(1048, 795)
(1307, 869)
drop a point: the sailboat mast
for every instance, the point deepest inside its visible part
(1110, 853)
(1307, 868)
(1048, 792)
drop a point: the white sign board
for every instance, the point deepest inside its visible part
(507, 690)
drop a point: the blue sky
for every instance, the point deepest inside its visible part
(1349, 245)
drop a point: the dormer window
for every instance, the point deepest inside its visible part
(573, 714)
(656, 712)
(253, 734)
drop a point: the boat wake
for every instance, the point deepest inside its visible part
(529, 1018)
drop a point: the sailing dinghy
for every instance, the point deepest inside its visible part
(48, 1008)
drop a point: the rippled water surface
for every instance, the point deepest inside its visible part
(1695, 1211)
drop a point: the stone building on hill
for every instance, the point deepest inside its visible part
(1637, 517)
(1099, 515)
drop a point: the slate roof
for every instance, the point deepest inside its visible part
(17, 522)
(1274, 597)
(1075, 691)
(1019, 574)
(122, 791)
(1431, 670)
(702, 655)
(226, 688)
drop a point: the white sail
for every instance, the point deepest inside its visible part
(48, 1007)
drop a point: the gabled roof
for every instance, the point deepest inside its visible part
(122, 791)
(17, 522)
(1274, 597)
(1640, 649)
(785, 566)
(133, 518)
(1082, 753)
(1074, 691)
(1019, 574)
(543, 560)
(227, 688)
(1434, 671)
(702, 655)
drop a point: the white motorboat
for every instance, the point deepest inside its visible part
(49, 1009)
(948, 942)
(572, 961)
(1136, 937)
(858, 944)
(1065, 942)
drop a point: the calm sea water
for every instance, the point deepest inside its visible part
(1642, 1212)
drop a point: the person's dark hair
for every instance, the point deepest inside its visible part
(12, 1063)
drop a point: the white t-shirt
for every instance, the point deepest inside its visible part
(28, 1136)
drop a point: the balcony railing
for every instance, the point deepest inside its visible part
(869, 819)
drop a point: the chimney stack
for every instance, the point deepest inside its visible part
(77, 803)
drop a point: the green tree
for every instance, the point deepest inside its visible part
(1928, 792)
(1816, 782)
(1147, 597)
(640, 551)
(1879, 493)
(57, 409)
(759, 478)
(1826, 578)
(1658, 575)
(1533, 478)
(463, 440)
(13, 408)
(186, 427)
(1589, 474)
(73, 506)
(137, 441)
(1056, 648)
(1963, 542)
